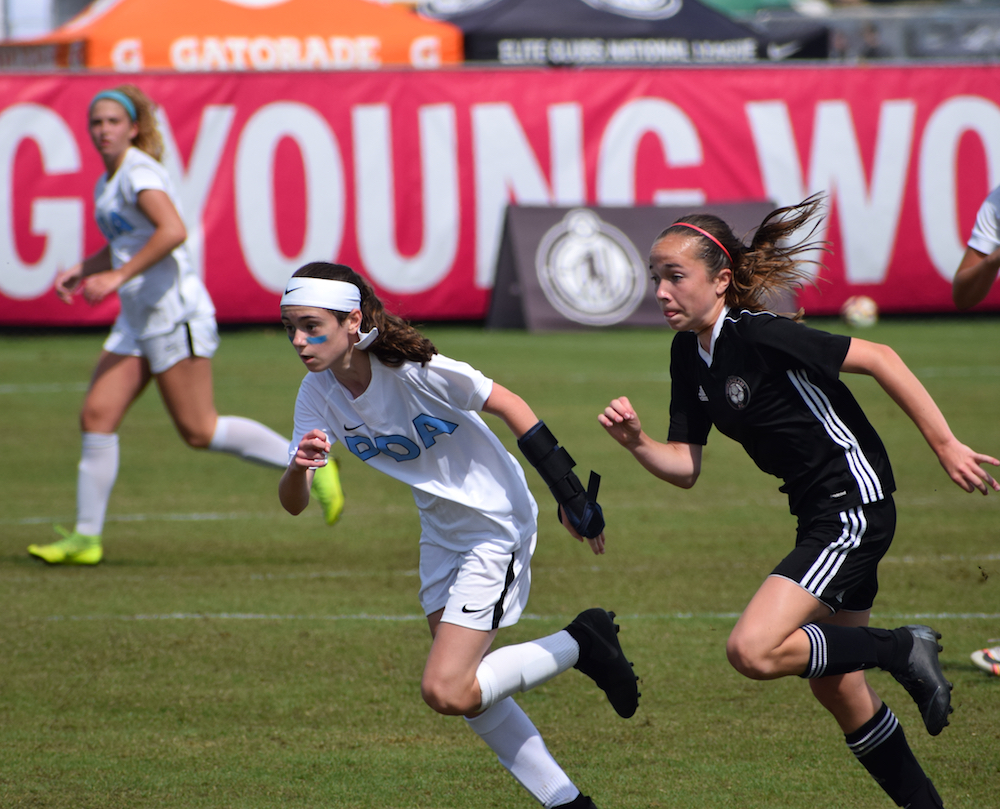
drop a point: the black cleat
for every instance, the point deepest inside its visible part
(924, 680)
(602, 659)
(581, 801)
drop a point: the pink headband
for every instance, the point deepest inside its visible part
(706, 234)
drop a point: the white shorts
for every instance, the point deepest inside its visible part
(484, 588)
(197, 338)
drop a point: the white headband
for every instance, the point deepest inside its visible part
(324, 293)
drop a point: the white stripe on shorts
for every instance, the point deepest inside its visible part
(829, 562)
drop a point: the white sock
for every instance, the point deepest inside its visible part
(520, 748)
(251, 440)
(521, 667)
(95, 479)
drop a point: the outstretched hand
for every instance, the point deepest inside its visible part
(621, 421)
(596, 543)
(964, 466)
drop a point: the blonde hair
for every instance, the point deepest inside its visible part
(768, 264)
(397, 340)
(148, 139)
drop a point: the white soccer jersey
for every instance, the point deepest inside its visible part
(419, 424)
(986, 232)
(169, 292)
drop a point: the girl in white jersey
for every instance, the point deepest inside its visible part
(379, 387)
(976, 274)
(166, 328)
(978, 269)
(773, 385)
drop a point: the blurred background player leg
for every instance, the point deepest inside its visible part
(96, 476)
(988, 659)
(326, 486)
(118, 380)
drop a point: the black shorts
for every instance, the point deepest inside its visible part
(836, 556)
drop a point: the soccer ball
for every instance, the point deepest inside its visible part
(859, 312)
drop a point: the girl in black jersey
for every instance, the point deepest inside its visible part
(773, 385)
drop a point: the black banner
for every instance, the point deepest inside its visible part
(580, 268)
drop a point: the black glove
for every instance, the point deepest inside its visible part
(555, 466)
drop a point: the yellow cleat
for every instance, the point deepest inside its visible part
(326, 487)
(72, 549)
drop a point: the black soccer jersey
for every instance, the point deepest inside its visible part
(773, 386)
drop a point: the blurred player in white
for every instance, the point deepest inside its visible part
(978, 268)
(165, 331)
(774, 386)
(976, 273)
(379, 387)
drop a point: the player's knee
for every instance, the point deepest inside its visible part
(195, 437)
(197, 441)
(439, 700)
(444, 699)
(96, 419)
(748, 658)
(87, 421)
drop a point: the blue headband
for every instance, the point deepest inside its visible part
(120, 97)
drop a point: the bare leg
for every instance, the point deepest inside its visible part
(187, 393)
(118, 381)
(450, 686)
(847, 696)
(449, 683)
(767, 641)
(873, 733)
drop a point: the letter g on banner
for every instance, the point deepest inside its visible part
(59, 221)
(256, 206)
(126, 55)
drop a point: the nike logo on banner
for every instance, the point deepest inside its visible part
(481, 609)
(776, 52)
(350, 429)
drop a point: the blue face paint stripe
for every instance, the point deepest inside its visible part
(318, 339)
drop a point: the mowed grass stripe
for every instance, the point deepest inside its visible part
(227, 655)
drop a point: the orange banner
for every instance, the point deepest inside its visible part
(199, 35)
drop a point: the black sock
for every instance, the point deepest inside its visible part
(842, 649)
(893, 647)
(880, 745)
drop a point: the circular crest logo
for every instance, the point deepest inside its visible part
(737, 393)
(639, 9)
(589, 270)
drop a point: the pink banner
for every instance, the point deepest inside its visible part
(405, 175)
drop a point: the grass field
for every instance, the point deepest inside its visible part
(228, 655)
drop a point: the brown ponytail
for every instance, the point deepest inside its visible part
(397, 340)
(769, 264)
